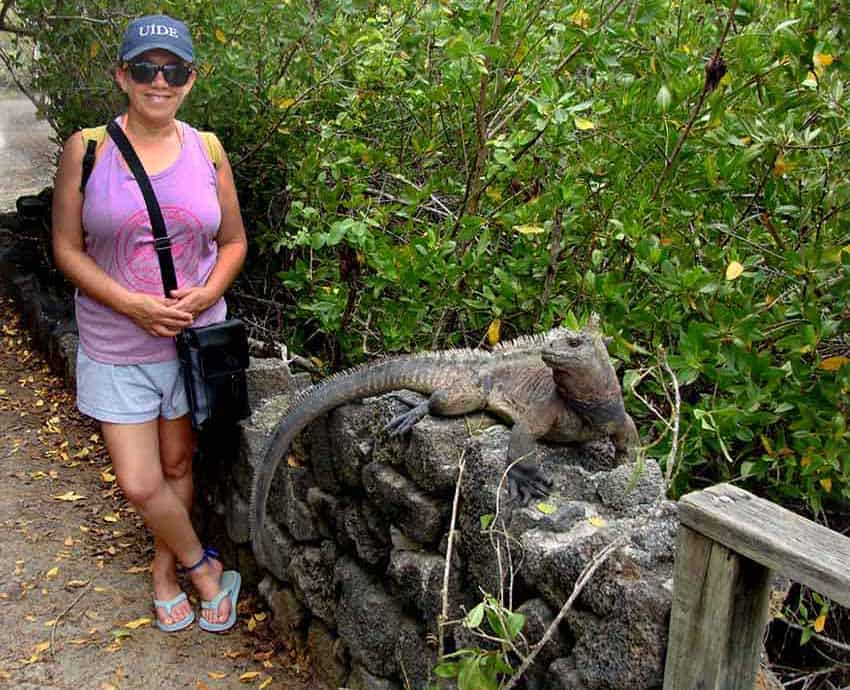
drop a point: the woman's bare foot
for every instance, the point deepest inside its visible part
(206, 579)
(165, 588)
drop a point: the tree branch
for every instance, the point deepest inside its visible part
(707, 87)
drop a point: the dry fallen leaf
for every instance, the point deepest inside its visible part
(265, 683)
(138, 623)
(53, 572)
(69, 496)
(248, 676)
(215, 675)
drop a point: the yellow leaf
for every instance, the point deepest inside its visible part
(39, 403)
(216, 675)
(248, 676)
(821, 61)
(820, 622)
(494, 331)
(53, 572)
(41, 647)
(139, 569)
(69, 496)
(827, 485)
(110, 518)
(260, 616)
(252, 625)
(138, 623)
(529, 229)
(834, 363)
(94, 49)
(584, 124)
(76, 584)
(284, 102)
(265, 683)
(780, 167)
(69, 541)
(220, 37)
(597, 521)
(733, 270)
(580, 18)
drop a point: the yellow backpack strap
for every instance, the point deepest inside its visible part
(92, 138)
(213, 147)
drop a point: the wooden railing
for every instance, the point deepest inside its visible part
(729, 543)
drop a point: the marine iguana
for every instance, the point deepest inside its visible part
(559, 386)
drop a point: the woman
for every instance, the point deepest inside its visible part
(128, 376)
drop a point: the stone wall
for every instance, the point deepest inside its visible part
(360, 522)
(360, 527)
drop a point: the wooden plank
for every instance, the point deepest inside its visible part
(806, 552)
(720, 608)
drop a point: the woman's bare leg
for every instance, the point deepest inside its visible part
(135, 453)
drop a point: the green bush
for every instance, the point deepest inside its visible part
(415, 171)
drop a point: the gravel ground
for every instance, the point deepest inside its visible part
(74, 582)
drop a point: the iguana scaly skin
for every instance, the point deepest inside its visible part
(559, 386)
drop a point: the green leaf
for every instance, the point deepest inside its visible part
(546, 508)
(475, 617)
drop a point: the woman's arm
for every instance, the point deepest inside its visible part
(157, 315)
(232, 248)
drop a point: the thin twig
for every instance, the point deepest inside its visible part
(444, 613)
(677, 406)
(706, 89)
(583, 579)
(65, 613)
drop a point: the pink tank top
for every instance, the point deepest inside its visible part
(118, 237)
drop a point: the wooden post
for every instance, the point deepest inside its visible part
(729, 542)
(720, 608)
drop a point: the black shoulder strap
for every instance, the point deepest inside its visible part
(161, 243)
(88, 163)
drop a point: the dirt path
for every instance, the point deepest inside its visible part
(26, 152)
(74, 579)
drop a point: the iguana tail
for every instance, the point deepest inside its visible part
(422, 373)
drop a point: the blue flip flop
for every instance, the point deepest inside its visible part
(230, 583)
(168, 605)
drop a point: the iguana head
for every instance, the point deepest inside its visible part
(580, 365)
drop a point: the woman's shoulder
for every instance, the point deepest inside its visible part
(210, 142)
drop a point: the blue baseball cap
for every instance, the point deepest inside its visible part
(156, 31)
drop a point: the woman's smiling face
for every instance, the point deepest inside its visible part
(157, 100)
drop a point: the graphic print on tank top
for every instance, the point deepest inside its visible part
(135, 260)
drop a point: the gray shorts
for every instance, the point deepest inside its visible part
(130, 393)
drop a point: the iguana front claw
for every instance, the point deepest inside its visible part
(526, 482)
(406, 420)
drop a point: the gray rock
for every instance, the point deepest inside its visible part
(551, 515)
(352, 429)
(267, 377)
(631, 485)
(486, 456)
(278, 546)
(416, 658)
(361, 679)
(418, 579)
(435, 448)
(621, 651)
(563, 675)
(327, 652)
(368, 619)
(569, 480)
(420, 516)
(255, 434)
(236, 518)
(363, 531)
(288, 614)
(287, 502)
(311, 572)
(324, 507)
(538, 617)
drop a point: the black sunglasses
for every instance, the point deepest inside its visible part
(175, 73)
